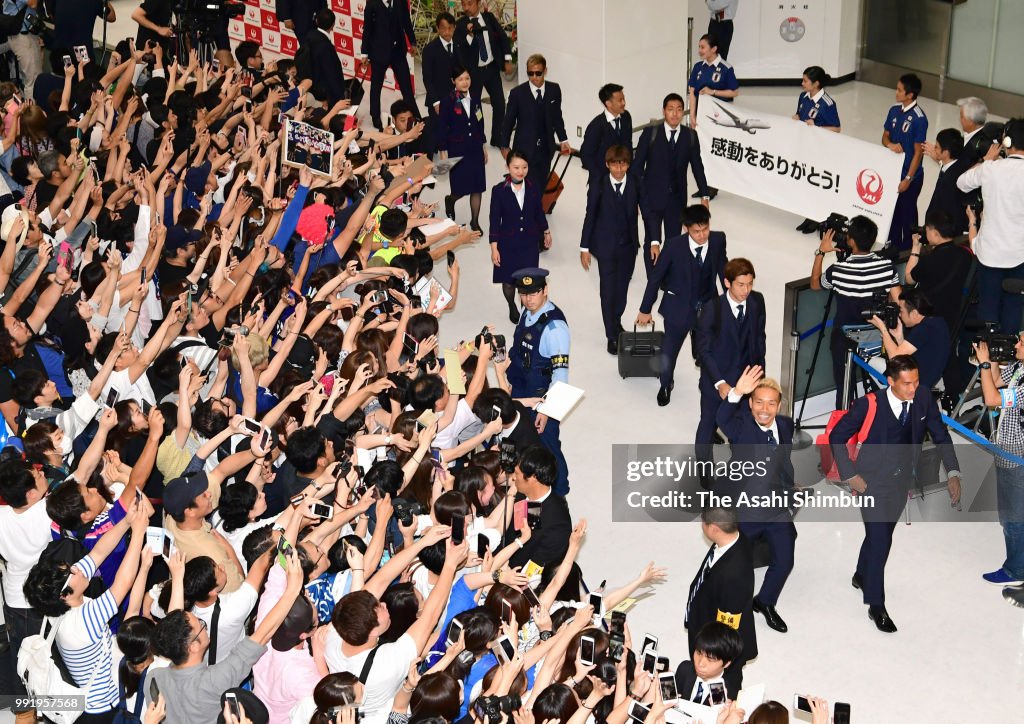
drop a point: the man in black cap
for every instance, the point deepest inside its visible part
(540, 357)
(179, 254)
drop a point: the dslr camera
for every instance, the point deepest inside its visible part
(1001, 347)
(496, 342)
(884, 308)
(406, 509)
(490, 708)
(228, 335)
(840, 226)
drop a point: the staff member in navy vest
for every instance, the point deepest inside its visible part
(612, 127)
(884, 469)
(518, 228)
(534, 113)
(386, 27)
(460, 132)
(687, 270)
(905, 131)
(539, 357)
(758, 433)
(610, 236)
(815, 107)
(730, 337)
(663, 155)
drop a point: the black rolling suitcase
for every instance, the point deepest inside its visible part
(640, 353)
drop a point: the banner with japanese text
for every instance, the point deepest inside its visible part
(259, 24)
(795, 167)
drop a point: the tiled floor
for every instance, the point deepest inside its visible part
(956, 633)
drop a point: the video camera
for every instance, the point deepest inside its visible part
(491, 708)
(496, 341)
(1001, 347)
(884, 308)
(840, 226)
(203, 16)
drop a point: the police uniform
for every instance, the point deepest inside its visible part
(907, 127)
(539, 357)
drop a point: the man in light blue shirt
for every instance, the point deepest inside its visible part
(26, 46)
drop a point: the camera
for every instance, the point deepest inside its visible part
(840, 226)
(1002, 348)
(919, 231)
(882, 307)
(491, 708)
(406, 509)
(228, 335)
(496, 342)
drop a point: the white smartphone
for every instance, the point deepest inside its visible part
(587, 650)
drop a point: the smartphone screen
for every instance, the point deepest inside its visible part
(650, 643)
(251, 426)
(232, 702)
(454, 631)
(112, 396)
(482, 546)
(458, 529)
(323, 510)
(587, 650)
(668, 686)
(451, 257)
(650, 662)
(800, 703)
(265, 439)
(519, 511)
(717, 691)
(638, 712)
(154, 690)
(506, 610)
(283, 546)
(506, 650)
(531, 597)
(597, 601)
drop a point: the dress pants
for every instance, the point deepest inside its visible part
(721, 30)
(662, 224)
(540, 168)
(21, 623)
(781, 539)
(489, 78)
(995, 305)
(550, 439)
(400, 65)
(904, 216)
(710, 401)
(675, 335)
(879, 524)
(615, 270)
(1010, 495)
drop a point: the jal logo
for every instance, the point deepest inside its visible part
(269, 19)
(269, 5)
(254, 34)
(272, 40)
(869, 186)
(342, 6)
(289, 44)
(359, 7)
(236, 29)
(347, 63)
(343, 43)
(357, 27)
(343, 24)
(252, 15)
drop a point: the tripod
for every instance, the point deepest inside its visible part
(194, 34)
(799, 437)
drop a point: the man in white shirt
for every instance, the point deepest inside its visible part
(720, 25)
(999, 244)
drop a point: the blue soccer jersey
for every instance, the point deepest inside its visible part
(824, 111)
(907, 127)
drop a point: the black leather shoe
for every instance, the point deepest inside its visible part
(857, 581)
(613, 346)
(1014, 595)
(449, 207)
(719, 440)
(771, 616)
(475, 226)
(664, 395)
(513, 314)
(880, 616)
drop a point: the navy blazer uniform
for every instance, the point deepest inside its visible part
(887, 462)
(599, 137)
(462, 134)
(536, 126)
(518, 232)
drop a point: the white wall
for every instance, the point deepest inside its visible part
(587, 43)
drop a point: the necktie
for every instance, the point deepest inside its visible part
(483, 46)
(539, 96)
(448, 49)
(618, 189)
(672, 140)
(700, 256)
(618, 125)
(905, 415)
(705, 567)
(773, 444)
(211, 652)
(699, 697)
(739, 314)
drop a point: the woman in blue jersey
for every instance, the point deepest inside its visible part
(815, 107)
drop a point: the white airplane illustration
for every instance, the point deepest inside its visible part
(750, 125)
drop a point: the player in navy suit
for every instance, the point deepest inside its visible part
(688, 269)
(534, 114)
(297, 15)
(948, 152)
(613, 126)
(610, 235)
(885, 467)
(757, 433)
(663, 154)
(324, 64)
(730, 337)
(439, 59)
(386, 27)
(483, 49)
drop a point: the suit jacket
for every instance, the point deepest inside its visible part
(550, 538)
(610, 223)
(948, 197)
(600, 136)
(325, 66)
(509, 222)
(876, 462)
(524, 433)
(437, 71)
(300, 12)
(676, 272)
(727, 593)
(748, 442)
(686, 677)
(469, 52)
(532, 121)
(720, 347)
(664, 170)
(385, 31)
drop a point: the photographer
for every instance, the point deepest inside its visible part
(999, 243)
(918, 333)
(1003, 387)
(854, 278)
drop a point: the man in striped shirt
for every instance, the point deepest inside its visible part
(853, 280)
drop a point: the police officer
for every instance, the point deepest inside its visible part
(540, 356)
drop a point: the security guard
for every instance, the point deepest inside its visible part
(540, 356)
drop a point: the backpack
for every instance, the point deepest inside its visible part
(121, 713)
(41, 676)
(828, 463)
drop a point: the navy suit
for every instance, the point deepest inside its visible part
(748, 442)
(683, 280)
(385, 31)
(488, 76)
(325, 66)
(300, 12)
(610, 235)
(948, 197)
(518, 232)
(437, 72)
(536, 125)
(599, 137)
(724, 350)
(887, 462)
(663, 170)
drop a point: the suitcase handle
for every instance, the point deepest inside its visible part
(642, 350)
(548, 188)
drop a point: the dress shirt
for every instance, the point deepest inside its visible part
(1000, 239)
(613, 182)
(706, 690)
(735, 307)
(693, 249)
(465, 103)
(969, 136)
(543, 88)
(609, 117)
(722, 550)
(506, 431)
(817, 96)
(668, 131)
(481, 27)
(896, 404)
(519, 191)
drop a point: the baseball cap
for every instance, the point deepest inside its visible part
(180, 492)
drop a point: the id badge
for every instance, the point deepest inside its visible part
(479, 114)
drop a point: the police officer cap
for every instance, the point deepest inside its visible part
(531, 279)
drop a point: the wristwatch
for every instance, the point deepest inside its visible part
(545, 635)
(985, 365)
(819, 252)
